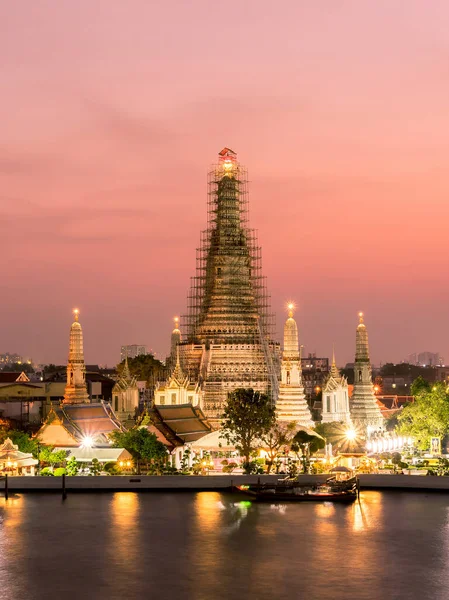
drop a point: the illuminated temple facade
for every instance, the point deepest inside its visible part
(291, 402)
(335, 397)
(365, 412)
(228, 328)
(76, 388)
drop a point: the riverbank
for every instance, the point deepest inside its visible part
(206, 483)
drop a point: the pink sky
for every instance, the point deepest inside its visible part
(113, 111)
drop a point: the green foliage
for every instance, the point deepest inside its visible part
(428, 416)
(51, 368)
(59, 472)
(47, 472)
(72, 467)
(228, 467)
(23, 441)
(420, 387)
(247, 418)
(95, 467)
(144, 368)
(48, 456)
(184, 466)
(308, 444)
(143, 446)
(275, 440)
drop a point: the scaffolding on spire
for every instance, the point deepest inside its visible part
(228, 302)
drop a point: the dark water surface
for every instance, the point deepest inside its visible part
(215, 546)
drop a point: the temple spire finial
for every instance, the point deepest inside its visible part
(76, 313)
(126, 371)
(361, 322)
(291, 309)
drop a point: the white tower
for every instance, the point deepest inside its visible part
(365, 412)
(291, 404)
(75, 389)
(335, 397)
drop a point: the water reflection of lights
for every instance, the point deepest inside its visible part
(366, 513)
(325, 509)
(125, 509)
(280, 508)
(206, 505)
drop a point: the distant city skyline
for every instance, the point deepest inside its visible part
(339, 111)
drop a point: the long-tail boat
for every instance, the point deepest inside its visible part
(292, 490)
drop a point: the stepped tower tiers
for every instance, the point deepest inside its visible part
(335, 397)
(76, 389)
(365, 412)
(291, 404)
(229, 326)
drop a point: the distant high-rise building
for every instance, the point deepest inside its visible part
(365, 412)
(11, 358)
(314, 372)
(131, 351)
(430, 359)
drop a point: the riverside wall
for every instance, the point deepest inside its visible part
(207, 483)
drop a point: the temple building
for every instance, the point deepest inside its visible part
(229, 326)
(125, 397)
(291, 403)
(76, 389)
(76, 421)
(335, 397)
(79, 425)
(365, 412)
(178, 389)
(175, 340)
(14, 462)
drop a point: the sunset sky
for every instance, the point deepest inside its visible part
(112, 112)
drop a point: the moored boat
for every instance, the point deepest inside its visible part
(286, 490)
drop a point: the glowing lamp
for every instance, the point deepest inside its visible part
(350, 434)
(87, 442)
(227, 165)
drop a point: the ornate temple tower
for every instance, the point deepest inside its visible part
(75, 389)
(125, 397)
(291, 404)
(365, 413)
(335, 397)
(229, 325)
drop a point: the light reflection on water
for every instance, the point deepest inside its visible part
(217, 546)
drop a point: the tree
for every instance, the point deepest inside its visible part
(428, 416)
(275, 439)
(144, 367)
(48, 456)
(72, 466)
(95, 467)
(142, 445)
(23, 440)
(308, 443)
(247, 418)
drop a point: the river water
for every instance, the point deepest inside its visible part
(213, 546)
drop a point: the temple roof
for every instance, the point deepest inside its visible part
(9, 450)
(180, 422)
(96, 421)
(12, 376)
